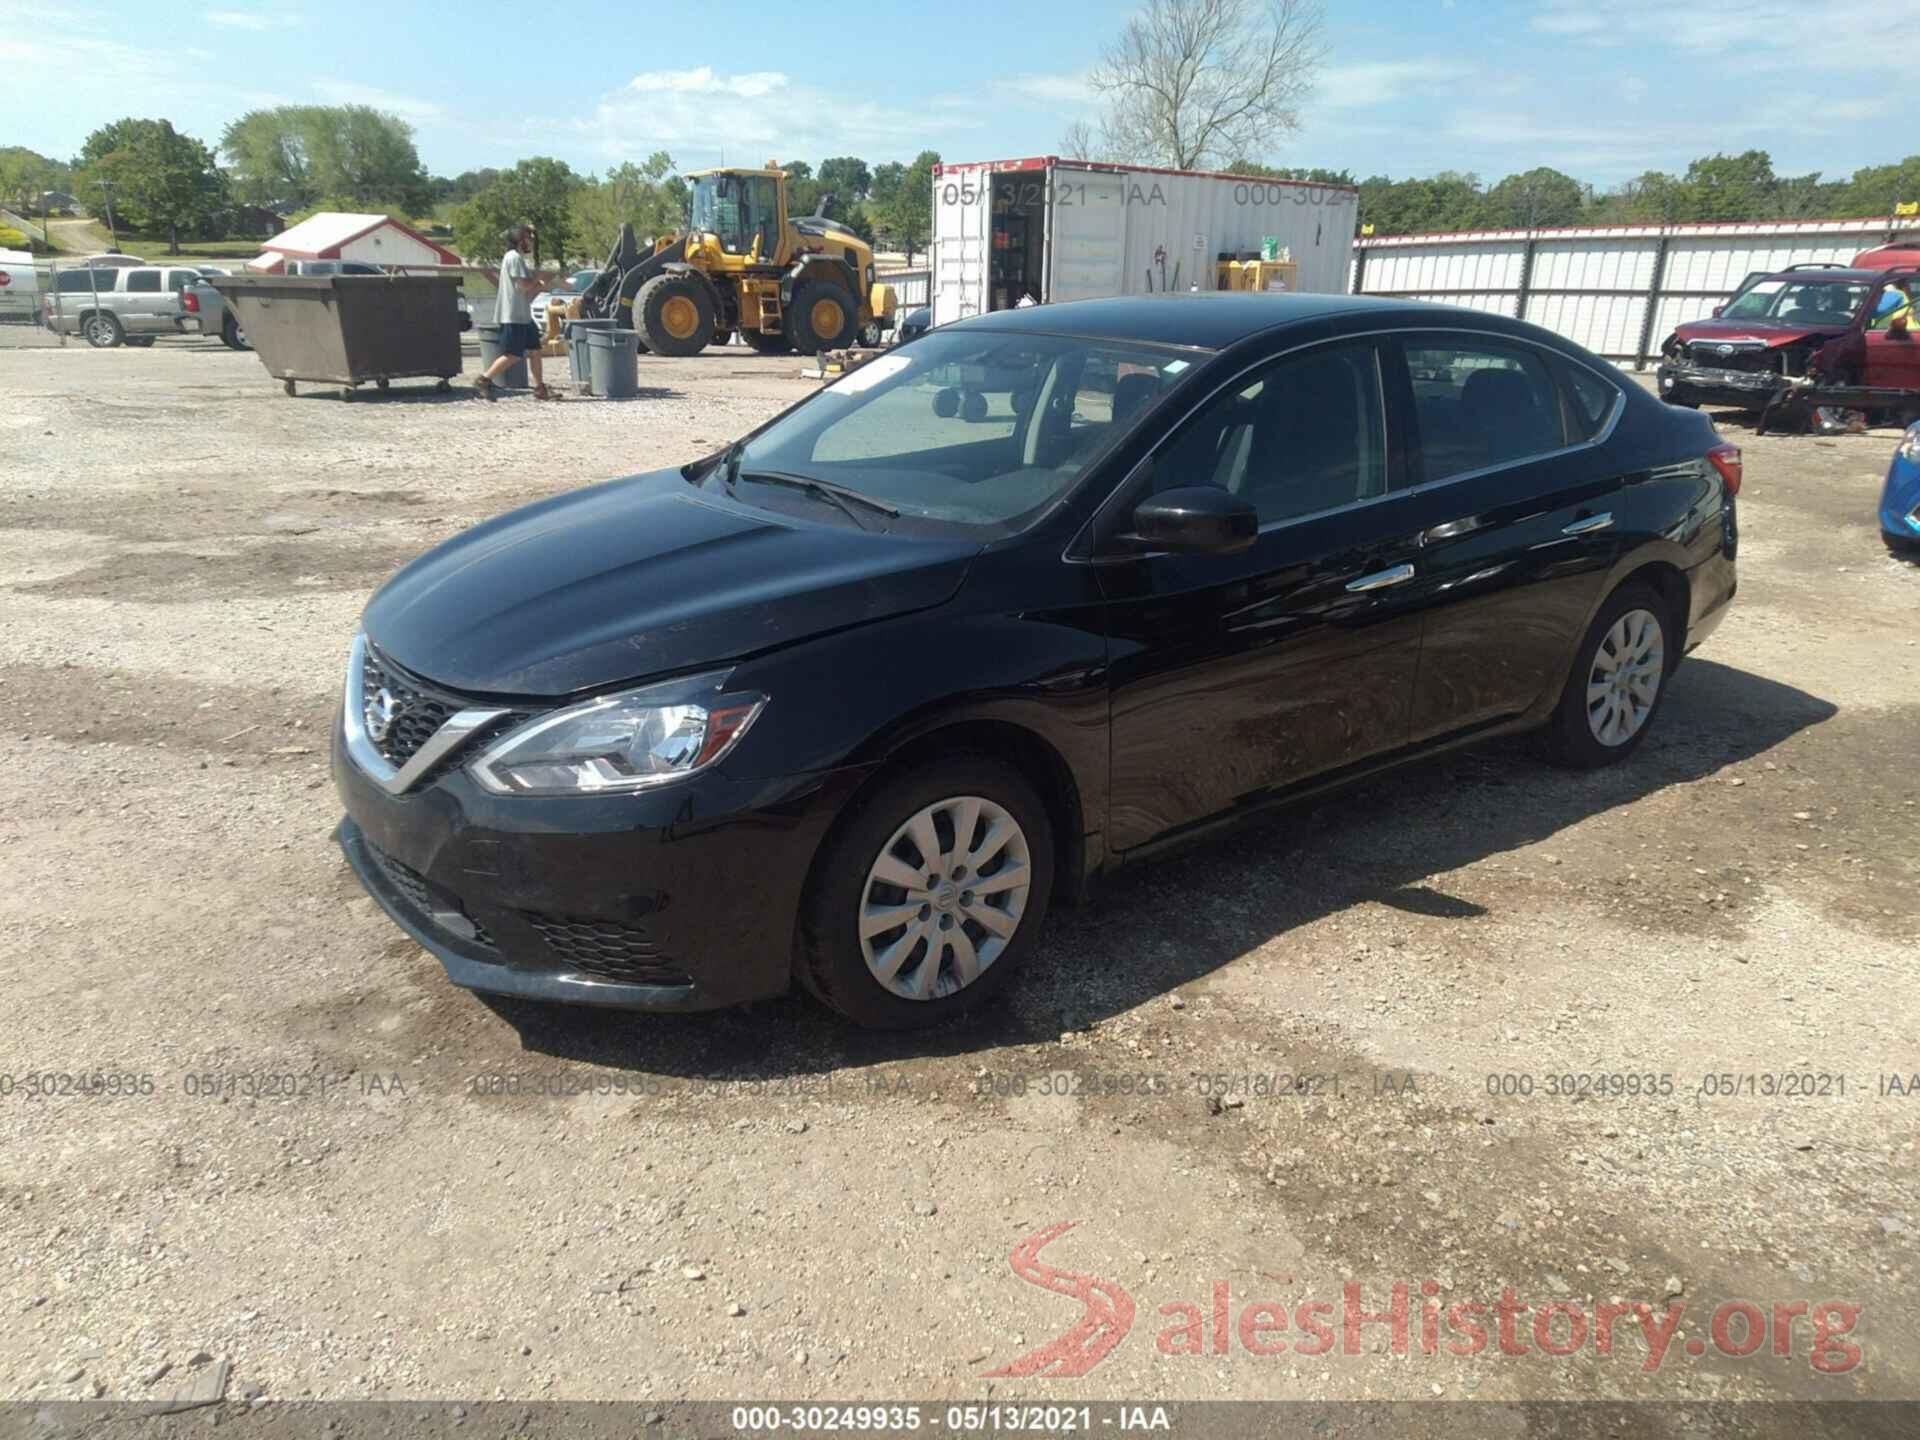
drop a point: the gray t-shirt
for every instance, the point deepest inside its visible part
(512, 306)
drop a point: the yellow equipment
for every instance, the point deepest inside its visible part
(1251, 274)
(743, 264)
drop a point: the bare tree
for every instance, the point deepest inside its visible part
(1197, 82)
(1078, 142)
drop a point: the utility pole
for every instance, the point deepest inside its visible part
(107, 191)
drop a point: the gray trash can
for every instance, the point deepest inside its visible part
(579, 353)
(515, 377)
(615, 372)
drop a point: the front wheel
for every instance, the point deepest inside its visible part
(674, 315)
(928, 895)
(1619, 679)
(822, 317)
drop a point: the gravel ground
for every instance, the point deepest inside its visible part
(763, 1204)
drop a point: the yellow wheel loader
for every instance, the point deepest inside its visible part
(743, 264)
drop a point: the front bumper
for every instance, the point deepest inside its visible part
(683, 898)
(1685, 384)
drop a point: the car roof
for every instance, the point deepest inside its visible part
(1826, 273)
(1215, 319)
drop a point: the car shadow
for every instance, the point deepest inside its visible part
(1185, 915)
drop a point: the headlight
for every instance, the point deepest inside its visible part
(1910, 445)
(621, 743)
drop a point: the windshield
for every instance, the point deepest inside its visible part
(1800, 302)
(738, 209)
(969, 427)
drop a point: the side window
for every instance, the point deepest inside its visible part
(1481, 402)
(1306, 434)
(1590, 400)
(78, 282)
(143, 282)
(182, 279)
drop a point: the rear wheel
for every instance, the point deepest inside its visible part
(928, 895)
(103, 330)
(765, 342)
(674, 315)
(232, 335)
(822, 317)
(1619, 679)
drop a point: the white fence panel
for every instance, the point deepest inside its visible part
(1620, 290)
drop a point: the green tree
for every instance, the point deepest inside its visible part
(1313, 174)
(158, 178)
(1877, 189)
(1727, 187)
(25, 176)
(636, 195)
(848, 177)
(538, 192)
(351, 156)
(1537, 197)
(907, 215)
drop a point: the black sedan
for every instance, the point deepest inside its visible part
(852, 701)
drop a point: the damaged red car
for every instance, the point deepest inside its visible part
(1839, 325)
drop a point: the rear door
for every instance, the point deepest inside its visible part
(1086, 234)
(1236, 676)
(144, 300)
(1514, 509)
(962, 221)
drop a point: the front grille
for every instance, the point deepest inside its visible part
(423, 710)
(607, 949)
(1707, 352)
(420, 895)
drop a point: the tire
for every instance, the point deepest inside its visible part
(765, 342)
(231, 335)
(721, 337)
(833, 961)
(823, 316)
(103, 330)
(1587, 734)
(674, 315)
(871, 337)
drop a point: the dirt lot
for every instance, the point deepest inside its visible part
(762, 1204)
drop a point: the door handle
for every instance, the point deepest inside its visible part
(1588, 525)
(1381, 579)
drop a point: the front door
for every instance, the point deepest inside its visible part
(1893, 339)
(1235, 676)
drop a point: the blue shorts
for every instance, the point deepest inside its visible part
(518, 337)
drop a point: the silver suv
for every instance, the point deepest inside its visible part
(131, 305)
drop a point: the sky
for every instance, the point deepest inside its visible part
(1602, 89)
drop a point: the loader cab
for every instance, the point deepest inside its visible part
(740, 208)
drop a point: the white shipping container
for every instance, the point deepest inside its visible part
(1068, 230)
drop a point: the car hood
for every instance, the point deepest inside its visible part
(641, 577)
(1767, 332)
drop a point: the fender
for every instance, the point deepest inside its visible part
(844, 274)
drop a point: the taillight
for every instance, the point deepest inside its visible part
(191, 301)
(1726, 459)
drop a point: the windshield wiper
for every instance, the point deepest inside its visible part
(839, 495)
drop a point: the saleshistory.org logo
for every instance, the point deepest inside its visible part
(1463, 1328)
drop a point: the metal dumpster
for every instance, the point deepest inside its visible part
(349, 329)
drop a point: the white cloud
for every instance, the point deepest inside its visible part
(412, 109)
(755, 85)
(1050, 89)
(1739, 34)
(1343, 87)
(255, 20)
(672, 110)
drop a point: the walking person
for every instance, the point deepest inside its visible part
(513, 313)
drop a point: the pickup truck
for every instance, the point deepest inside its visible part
(123, 305)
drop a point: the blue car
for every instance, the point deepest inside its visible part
(1900, 500)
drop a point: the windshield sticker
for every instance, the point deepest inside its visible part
(1174, 367)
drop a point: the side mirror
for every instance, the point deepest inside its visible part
(1195, 520)
(1716, 311)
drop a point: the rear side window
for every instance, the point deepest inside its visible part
(1482, 403)
(1306, 434)
(182, 279)
(143, 282)
(73, 282)
(1590, 400)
